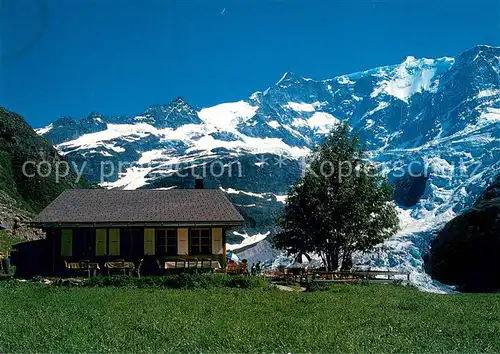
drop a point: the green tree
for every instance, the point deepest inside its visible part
(341, 204)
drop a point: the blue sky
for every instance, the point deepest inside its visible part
(71, 57)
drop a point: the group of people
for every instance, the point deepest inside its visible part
(256, 268)
(232, 261)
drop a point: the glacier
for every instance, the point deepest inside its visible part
(437, 117)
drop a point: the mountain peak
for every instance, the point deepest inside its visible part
(172, 115)
(485, 47)
(479, 54)
(289, 76)
(63, 120)
(413, 62)
(410, 59)
(481, 49)
(95, 116)
(179, 100)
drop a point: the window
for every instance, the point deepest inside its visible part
(200, 241)
(132, 243)
(166, 242)
(84, 243)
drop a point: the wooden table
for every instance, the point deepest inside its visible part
(192, 264)
(122, 266)
(90, 267)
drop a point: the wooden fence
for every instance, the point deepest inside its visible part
(308, 275)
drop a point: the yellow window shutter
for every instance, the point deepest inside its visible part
(149, 242)
(217, 240)
(100, 242)
(182, 241)
(114, 242)
(66, 242)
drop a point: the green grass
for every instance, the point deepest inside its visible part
(348, 318)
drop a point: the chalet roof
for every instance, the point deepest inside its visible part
(177, 206)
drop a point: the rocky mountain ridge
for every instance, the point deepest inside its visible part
(24, 157)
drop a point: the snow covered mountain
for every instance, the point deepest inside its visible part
(436, 117)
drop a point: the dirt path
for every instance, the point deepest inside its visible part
(289, 288)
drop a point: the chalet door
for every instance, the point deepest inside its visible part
(132, 243)
(84, 243)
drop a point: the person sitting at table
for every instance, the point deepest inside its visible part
(258, 268)
(253, 269)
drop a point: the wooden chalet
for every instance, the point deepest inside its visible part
(99, 226)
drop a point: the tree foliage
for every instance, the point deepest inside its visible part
(340, 205)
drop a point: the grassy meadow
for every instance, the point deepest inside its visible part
(345, 318)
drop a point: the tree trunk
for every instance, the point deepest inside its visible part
(346, 261)
(332, 259)
(323, 258)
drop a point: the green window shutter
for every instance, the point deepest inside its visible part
(100, 242)
(114, 242)
(217, 240)
(149, 242)
(66, 242)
